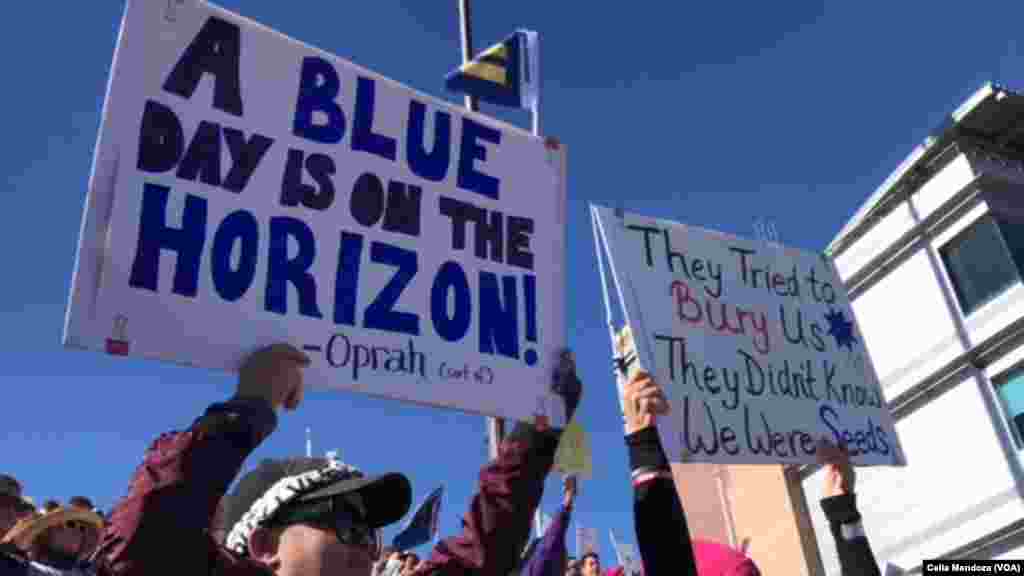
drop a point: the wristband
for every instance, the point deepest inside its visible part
(852, 531)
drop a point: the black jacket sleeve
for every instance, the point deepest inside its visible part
(855, 556)
(661, 531)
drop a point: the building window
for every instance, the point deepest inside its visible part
(1011, 393)
(984, 260)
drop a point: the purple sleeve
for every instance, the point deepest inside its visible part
(175, 491)
(549, 557)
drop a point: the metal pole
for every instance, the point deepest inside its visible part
(467, 44)
(495, 426)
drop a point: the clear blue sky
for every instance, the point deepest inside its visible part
(708, 113)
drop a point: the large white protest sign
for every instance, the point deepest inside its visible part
(755, 345)
(249, 189)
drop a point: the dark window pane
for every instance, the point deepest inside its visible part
(978, 264)
(1013, 235)
(1011, 393)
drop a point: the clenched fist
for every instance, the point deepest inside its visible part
(274, 374)
(840, 476)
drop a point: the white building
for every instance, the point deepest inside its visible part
(934, 262)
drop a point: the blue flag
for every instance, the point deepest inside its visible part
(505, 74)
(423, 525)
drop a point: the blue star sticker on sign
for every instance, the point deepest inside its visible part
(840, 328)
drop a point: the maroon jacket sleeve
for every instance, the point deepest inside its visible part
(498, 523)
(162, 525)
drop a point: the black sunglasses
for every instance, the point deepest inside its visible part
(78, 526)
(333, 514)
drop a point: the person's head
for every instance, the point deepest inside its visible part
(81, 502)
(312, 516)
(28, 509)
(715, 558)
(573, 567)
(66, 540)
(50, 505)
(58, 536)
(12, 504)
(590, 564)
(92, 534)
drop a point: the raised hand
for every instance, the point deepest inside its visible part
(273, 374)
(840, 476)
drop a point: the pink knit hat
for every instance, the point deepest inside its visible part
(714, 559)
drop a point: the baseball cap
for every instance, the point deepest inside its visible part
(381, 499)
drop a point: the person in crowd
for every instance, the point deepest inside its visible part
(660, 524)
(306, 516)
(715, 559)
(13, 504)
(643, 401)
(217, 531)
(410, 561)
(590, 564)
(840, 506)
(92, 534)
(549, 558)
(55, 540)
(572, 567)
(81, 502)
(394, 566)
(526, 556)
(661, 530)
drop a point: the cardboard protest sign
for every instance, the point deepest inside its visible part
(249, 189)
(755, 345)
(573, 456)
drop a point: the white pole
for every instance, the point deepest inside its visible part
(495, 426)
(467, 44)
(533, 63)
(309, 442)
